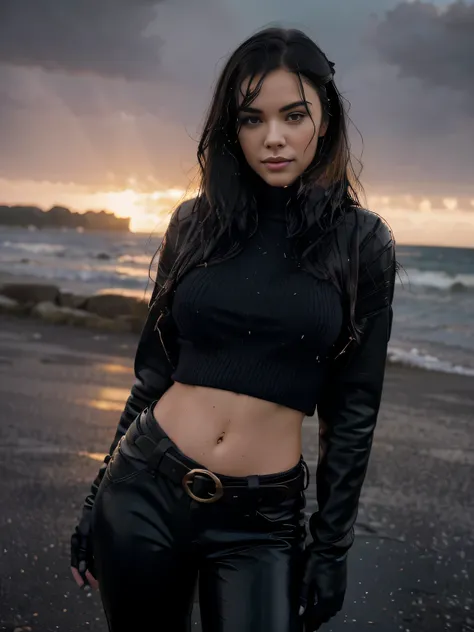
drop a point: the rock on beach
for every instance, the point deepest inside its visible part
(105, 311)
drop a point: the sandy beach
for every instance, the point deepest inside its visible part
(61, 393)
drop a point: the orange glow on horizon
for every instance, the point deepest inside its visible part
(147, 211)
(415, 219)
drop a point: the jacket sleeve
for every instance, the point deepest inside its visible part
(151, 366)
(349, 409)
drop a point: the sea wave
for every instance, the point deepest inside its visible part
(438, 280)
(142, 260)
(414, 358)
(105, 278)
(37, 249)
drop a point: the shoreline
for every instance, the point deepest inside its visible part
(84, 333)
(72, 286)
(125, 310)
(102, 310)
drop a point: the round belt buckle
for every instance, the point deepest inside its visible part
(188, 479)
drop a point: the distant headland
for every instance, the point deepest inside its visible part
(60, 217)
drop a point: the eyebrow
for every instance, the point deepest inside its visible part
(285, 108)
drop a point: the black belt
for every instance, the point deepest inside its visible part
(203, 485)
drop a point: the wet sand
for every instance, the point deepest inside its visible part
(61, 393)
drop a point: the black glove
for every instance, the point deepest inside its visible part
(82, 557)
(324, 586)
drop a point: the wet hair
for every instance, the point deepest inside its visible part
(224, 210)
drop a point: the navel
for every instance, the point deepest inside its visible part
(220, 438)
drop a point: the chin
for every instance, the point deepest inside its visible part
(278, 179)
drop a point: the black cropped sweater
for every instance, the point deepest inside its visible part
(257, 323)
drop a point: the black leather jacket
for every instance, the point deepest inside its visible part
(349, 409)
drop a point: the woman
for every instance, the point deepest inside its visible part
(273, 298)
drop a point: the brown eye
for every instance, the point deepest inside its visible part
(248, 120)
(299, 114)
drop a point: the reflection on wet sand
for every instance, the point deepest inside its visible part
(112, 367)
(95, 456)
(108, 398)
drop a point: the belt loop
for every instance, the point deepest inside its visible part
(252, 503)
(151, 423)
(138, 421)
(159, 452)
(253, 482)
(307, 475)
(154, 452)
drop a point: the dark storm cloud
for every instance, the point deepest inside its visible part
(101, 37)
(90, 120)
(433, 45)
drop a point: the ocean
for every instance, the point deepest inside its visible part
(434, 298)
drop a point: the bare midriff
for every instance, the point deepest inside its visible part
(230, 433)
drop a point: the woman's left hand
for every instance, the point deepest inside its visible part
(324, 587)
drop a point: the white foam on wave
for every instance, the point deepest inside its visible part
(101, 276)
(37, 249)
(143, 260)
(439, 280)
(415, 358)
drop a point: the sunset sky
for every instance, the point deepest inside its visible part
(101, 102)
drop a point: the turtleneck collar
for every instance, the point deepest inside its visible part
(272, 201)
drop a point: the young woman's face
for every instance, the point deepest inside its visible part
(277, 125)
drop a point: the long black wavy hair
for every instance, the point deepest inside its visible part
(224, 210)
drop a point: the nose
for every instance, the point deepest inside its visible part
(275, 137)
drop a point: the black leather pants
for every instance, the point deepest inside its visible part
(152, 541)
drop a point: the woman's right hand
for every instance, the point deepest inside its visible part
(82, 559)
(89, 582)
